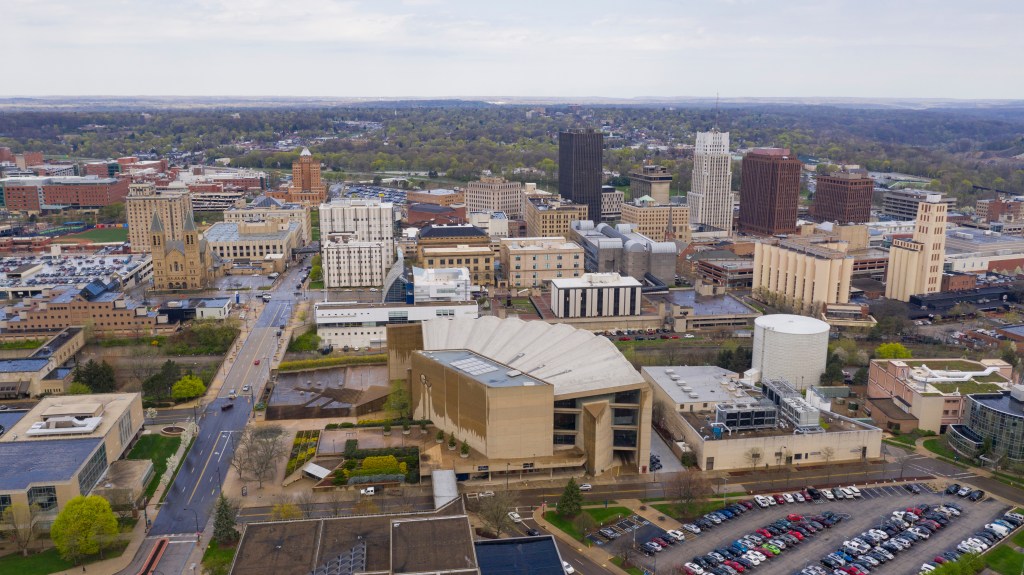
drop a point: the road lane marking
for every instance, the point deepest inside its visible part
(203, 472)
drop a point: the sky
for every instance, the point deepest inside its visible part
(526, 48)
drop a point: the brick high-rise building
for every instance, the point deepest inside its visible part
(843, 197)
(580, 169)
(307, 188)
(144, 199)
(710, 197)
(769, 192)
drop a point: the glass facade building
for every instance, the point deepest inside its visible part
(993, 426)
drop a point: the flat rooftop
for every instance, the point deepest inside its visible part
(482, 369)
(837, 425)
(709, 383)
(608, 280)
(228, 232)
(415, 545)
(1001, 402)
(111, 404)
(972, 240)
(708, 305)
(76, 270)
(29, 462)
(519, 556)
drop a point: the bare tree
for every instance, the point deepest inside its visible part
(753, 456)
(336, 503)
(827, 453)
(366, 506)
(494, 512)
(259, 449)
(19, 525)
(689, 489)
(305, 500)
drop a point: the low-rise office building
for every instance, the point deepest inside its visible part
(365, 325)
(801, 273)
(265, 208)
(532, 262)
(596, 295)
(105, 309)
(442, 285)
(64, 446)
(478, 259)
(621, 249)
(254, 241)
(493, 194)
(660, 222)
(348, 262)
(993, 427)
(527, 395)
(496, 224)
(902, 204)
(547, 217)
(929, 394)
(45, 370)
(439, 197)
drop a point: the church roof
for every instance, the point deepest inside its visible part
(190, 222)
(157, 225)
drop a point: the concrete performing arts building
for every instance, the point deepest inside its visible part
(526, 397)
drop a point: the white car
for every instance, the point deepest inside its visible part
(691, 528)
(586, 487)
(515, 517)
(695, 568)
(926, 568)
(677, 535)
(788, 497)
(799, 497)
(752, 558)
(568, 568)
(856, 492)
(828, 494)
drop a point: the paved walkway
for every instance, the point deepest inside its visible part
(595, 554)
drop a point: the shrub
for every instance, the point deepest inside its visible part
(302, 364)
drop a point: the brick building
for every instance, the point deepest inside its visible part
(48, 194)
(769, 192)
(843, 197)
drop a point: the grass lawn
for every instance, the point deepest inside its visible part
(1018, 539)
(48, 561)
(564, 524)
(937, 447)
(631, 570)
(99, 235)
(308, 341)
(602, 515)
(27, 344)
(217, 559)
(156, 448)
(1004, 560)
(316, 285)
(907, 439)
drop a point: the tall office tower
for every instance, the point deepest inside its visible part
(843, 197)
(307, 187)
(172, 203)
(710, 197)
(580, 169)
(915, 266)
(651, 180)
(769, 192)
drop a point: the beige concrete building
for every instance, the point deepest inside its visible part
(651, 180)
(367, 220)
(252, 242)
(265, 208)
(492, 194)
(533, 262)
(478, 259)
(930, 394)
(915, 266)
(144, 200)
(529, 395)
(45, 370)
(660, 222)
(711, 198)
(438, 197)
(596, 295)
(611, 204)
(352, 263)
(64, 446)
(547, 218)
(802, 274)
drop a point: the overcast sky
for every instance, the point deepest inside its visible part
(552, 48)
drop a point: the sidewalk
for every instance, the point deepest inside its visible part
(594, 554)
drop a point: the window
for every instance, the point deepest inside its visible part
(5, 502)
(45, 497)
(93, 470)
(125, 428)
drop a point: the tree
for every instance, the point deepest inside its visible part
(366, 506)
(188, 387)
(258, 451)
(494, 512)
(1008, 353)
(336, 503)
(753, 457)
(689, 489)
(833, 370)
(861, 376)
(285, 512)
(827, 453)
(85, 526)
(19, 521)
(98, 377)
(224, 519)
(306, 503)
(584, 523)
(77, 388)
(892, 350)
(571, 502)
(159, 384)
(397, 402)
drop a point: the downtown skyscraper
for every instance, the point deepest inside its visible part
(580, 169)
(710, 197)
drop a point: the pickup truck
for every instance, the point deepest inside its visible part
(368, 491)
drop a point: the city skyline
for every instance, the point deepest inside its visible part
(440, 48)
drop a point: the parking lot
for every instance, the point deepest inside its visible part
(859, 515)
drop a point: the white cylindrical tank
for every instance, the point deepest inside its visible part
(790, 347)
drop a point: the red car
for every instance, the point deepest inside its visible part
(807, 495)
(765, 532)
(624, 338)
(739, 568)
(939, 559)
(257, 362)
(799, 536)
(675, 337)
(746, 503)
(915, 511)
(794, 517)
(765, 551)
(779, 499)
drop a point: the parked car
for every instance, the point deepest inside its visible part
(515, 517)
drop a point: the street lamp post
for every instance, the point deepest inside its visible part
(194, 512)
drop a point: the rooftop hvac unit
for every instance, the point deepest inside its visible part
(694, 395)
(675, 377)
(687, 388)
(669, 370)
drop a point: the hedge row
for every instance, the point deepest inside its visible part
(377, 423)
(302, 364)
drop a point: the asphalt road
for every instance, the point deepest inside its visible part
(192, 495)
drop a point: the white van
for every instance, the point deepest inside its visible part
(856, 492)
(1002, 531)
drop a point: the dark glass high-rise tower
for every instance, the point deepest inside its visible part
(769, 192)
(580, 169)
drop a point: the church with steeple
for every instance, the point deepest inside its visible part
(185, 264)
